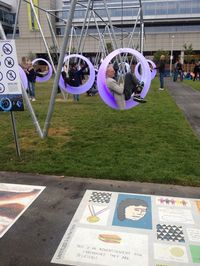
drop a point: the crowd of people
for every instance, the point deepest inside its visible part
(178, 72)
(73, 74)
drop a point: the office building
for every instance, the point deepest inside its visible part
(168, 24)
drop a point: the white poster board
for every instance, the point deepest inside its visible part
(14, 200)
(124, 229)
(10, 84)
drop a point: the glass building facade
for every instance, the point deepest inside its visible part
(165, 15)
(7, 18)
(168, 24)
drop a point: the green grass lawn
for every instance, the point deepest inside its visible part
(194, 84)
(152, 142)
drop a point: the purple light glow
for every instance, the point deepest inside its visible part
(23, 77)
(84, 87)
(105, 93)
(152, 69)
(48, 75)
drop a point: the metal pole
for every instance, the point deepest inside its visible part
(25, 96)
(32, 113)
(83, 39)
(59, 67)
(55, 42)
(111, 26)
(15, 133)
(141, 28)
(142, 39)
(171, 55)
(41, 31)
(99, 33)
(16, 18)
(83, 27)
(44, 40)
(132, 33)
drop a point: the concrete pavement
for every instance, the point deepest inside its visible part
(188, 100)
(34, 238)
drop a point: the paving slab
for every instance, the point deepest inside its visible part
(188, 100)
(35, 236)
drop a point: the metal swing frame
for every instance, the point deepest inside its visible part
(62, 50)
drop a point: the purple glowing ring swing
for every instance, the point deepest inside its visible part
(84, 87)
(153, 71)
(23, 77)
(103, 90)
(48, 75)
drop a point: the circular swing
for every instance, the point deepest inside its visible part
(104, 91)
(84, 87)
(48, 75)
(152, 67)
(23, 77)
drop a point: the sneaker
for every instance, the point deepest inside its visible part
(132, 95)
(161, 89)
(138, 98)
(33, 99)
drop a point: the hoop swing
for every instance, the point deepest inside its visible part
(152, 67)
(104, 91)
(86, 86)
(23, 77)
(49, 73)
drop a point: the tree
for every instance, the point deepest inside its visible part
(188, 52)
(109, 47)
(157, 54)
(31, 56)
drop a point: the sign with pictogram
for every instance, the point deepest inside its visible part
(10, 84)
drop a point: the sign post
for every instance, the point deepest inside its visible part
(10, 85)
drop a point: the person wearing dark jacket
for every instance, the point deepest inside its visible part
(76, 77)
(161, 69)
(31, 76)
(196, 71)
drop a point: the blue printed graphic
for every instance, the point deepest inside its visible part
(133, 211)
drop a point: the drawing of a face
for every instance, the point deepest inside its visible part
(132, 209)
(135, 212)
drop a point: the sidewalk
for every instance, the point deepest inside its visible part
(35, 236)
(188, 100)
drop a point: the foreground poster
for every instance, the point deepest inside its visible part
(14, 200)
(122, 229)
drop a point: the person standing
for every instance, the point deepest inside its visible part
(24, 63)
(31, 75)
(75, 77)
(196, 71)
(161, 69)
(178, 70)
